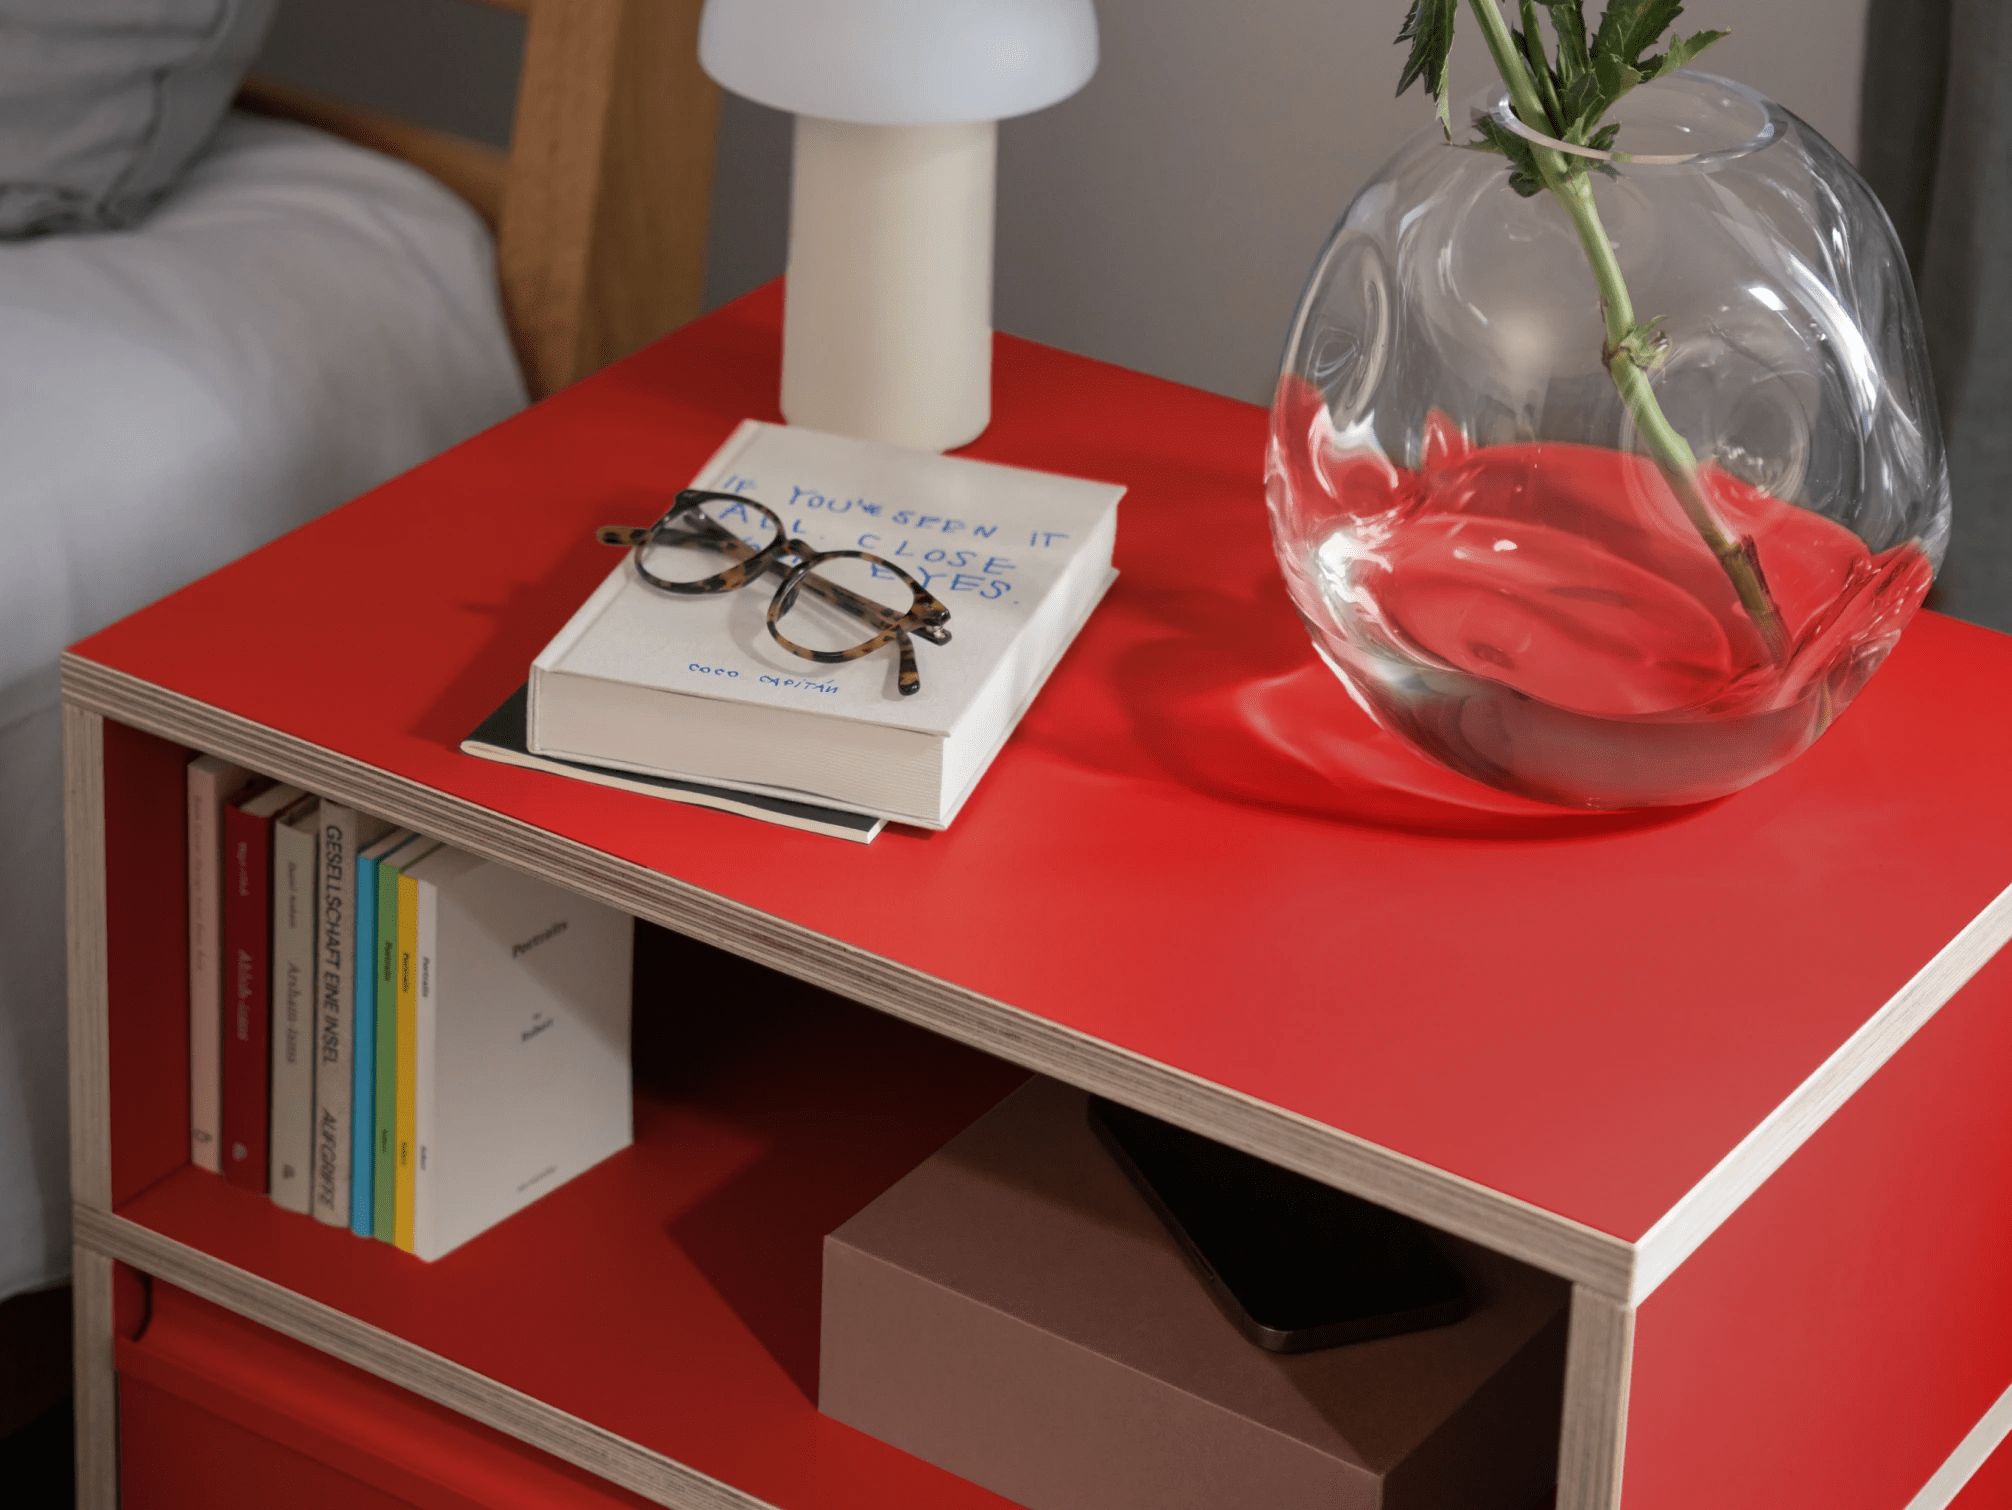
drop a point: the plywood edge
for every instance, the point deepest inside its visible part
(96, 1387)
(84, 887)
(472, 170)
(1708, 1204)
(1599, 1355)
(406, 1365)
(1444, 1200)
(1971, 1454)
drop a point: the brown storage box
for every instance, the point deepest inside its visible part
(1014, 1312)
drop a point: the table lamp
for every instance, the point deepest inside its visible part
(887, 330)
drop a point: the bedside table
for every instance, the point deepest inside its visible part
(1740, 1073)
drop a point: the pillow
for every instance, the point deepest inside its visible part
(104, 102)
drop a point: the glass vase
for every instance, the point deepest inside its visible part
(1483, 545)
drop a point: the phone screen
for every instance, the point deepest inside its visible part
(1296, 1264)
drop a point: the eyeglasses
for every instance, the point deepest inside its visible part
(827, 599)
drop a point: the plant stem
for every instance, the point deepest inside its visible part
(1572, 186)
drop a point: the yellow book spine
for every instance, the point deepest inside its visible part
(408, 1057)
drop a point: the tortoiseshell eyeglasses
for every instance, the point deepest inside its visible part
(831, 605)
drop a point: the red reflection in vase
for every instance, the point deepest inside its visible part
(1544, 618)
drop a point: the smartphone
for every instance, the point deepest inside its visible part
(1295, 1264)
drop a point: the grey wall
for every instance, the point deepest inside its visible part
(1163, 218)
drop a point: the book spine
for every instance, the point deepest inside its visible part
(291, 1119)
(247, 962)
(424, 1038)
(335, 1012)
(363, 1049)
(408, 982)
(206, 1001)
(384, 1150)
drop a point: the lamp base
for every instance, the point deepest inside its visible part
(887, 325)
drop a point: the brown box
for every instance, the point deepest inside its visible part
(1014, 1312)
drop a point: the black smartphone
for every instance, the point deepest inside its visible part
(1295, 1264)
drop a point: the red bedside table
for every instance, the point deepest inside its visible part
(1739, 1073)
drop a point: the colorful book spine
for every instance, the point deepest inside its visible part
(247, 963)
(384, 1095)
(425, 1036)
(212, 783)
(290, 1124)
(407, 1080)
(384, 1148)
(343, 832)
(363, 1055)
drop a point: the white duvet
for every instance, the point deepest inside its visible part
(299, 321)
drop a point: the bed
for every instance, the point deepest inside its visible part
(325, 298)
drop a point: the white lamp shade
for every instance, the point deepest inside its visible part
(900, 62)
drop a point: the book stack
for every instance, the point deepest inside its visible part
(386, 1033)
(691, 697)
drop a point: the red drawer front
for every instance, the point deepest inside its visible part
(217, 1412)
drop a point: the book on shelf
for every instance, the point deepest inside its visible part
(341, 832)
(384, 1145)
(212, 783)
(290, 1099)
(405, 1082)
(247, 961)
(363, 1053)
(521, 1042)
(692, 687)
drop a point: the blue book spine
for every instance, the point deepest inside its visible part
(363, 1094)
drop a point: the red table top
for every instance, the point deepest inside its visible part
(1583, 1013)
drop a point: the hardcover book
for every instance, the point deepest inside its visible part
(291, 1130)
(693, 687)
(247, 960)
(521, 1043)
(212, 783)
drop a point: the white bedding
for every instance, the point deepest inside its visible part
(299, 321)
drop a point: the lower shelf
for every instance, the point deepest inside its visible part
(665, 1304)
(219, 1413)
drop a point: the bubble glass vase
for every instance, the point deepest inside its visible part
(1482, 546)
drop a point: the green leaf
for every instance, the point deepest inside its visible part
(1530, 42)
(1524, 176)
(1631, 27)
(1568, 21)
(1681, 52)
(1429, 29)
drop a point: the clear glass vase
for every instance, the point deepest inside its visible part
(1483, 544)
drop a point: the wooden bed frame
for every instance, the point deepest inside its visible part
(600, 205)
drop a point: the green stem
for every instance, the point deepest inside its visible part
(1571, 184)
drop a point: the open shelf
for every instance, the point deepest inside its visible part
(669, 1296)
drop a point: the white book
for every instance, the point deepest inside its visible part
(295, 847)
(692, 687)
(522, 1044)
(344, 834)
(212, 782)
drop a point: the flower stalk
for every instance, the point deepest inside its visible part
(1568, 103)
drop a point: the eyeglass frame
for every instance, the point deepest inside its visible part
(798, 561)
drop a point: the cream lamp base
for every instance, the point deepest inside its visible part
(887, 325)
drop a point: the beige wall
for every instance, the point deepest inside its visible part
(1163, 218)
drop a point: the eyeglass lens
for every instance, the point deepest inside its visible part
(696, 542)
(822, 626)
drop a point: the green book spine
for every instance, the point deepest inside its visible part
(384, 1162)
